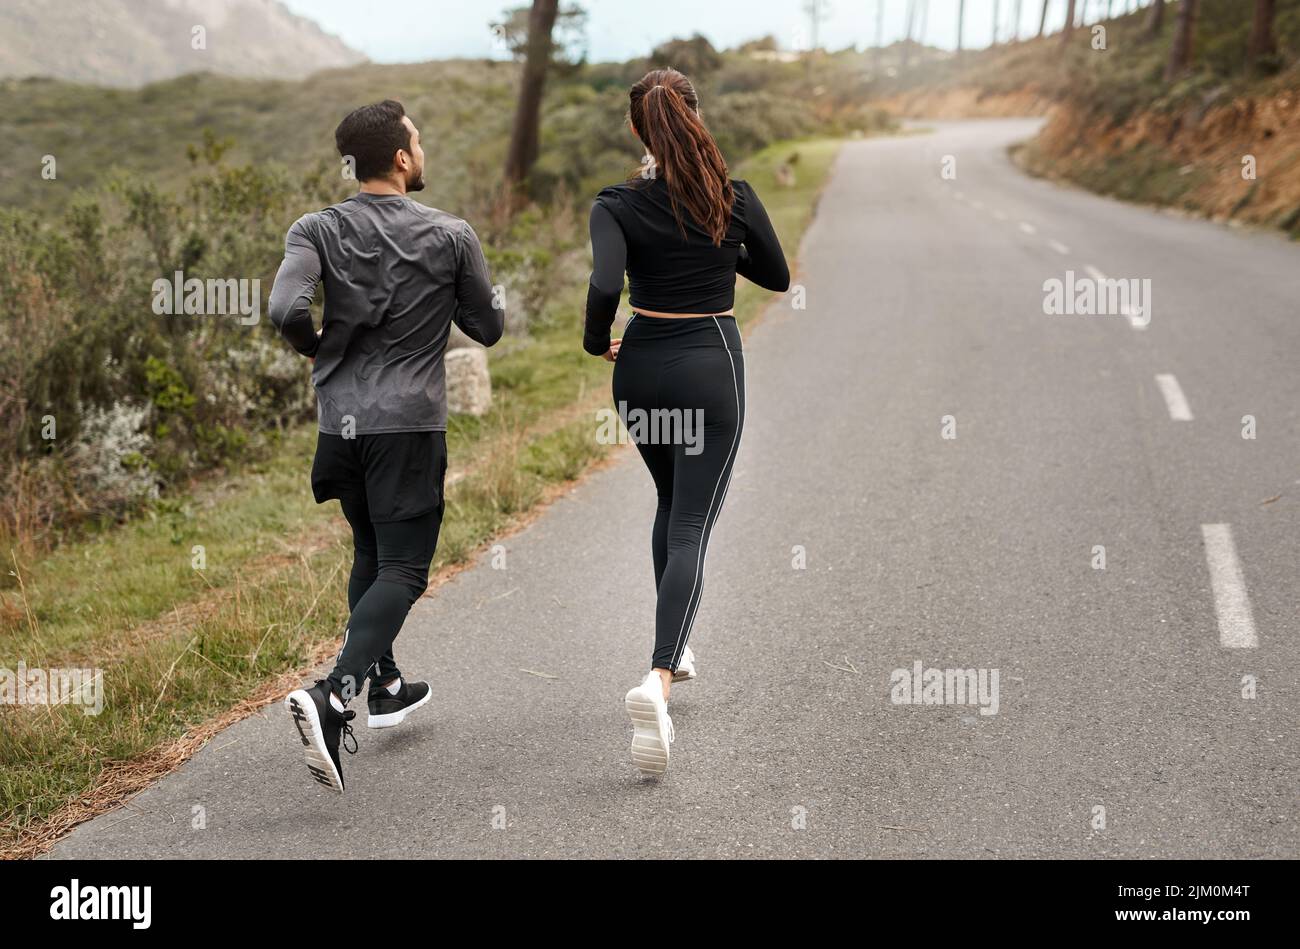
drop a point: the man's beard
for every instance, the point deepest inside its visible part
(417, 184)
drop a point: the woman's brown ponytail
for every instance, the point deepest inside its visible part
(665, 114)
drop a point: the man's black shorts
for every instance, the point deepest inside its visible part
(399, 475)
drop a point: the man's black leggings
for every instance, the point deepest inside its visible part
(679, 385)
(390, 570)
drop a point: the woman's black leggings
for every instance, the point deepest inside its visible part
(679, 385)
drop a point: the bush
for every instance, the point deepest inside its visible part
(111, 401)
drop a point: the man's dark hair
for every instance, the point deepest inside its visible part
(372, 135)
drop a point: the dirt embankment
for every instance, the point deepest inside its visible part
(1231, 159)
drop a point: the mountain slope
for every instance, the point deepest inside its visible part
(133, 42)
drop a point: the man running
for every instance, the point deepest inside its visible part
(397, 274)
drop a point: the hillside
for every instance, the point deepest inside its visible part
(134, 42)
(95, 133)
(1115, 126)
(463, 107)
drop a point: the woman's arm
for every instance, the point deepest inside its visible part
(761, 260)
(609, 262)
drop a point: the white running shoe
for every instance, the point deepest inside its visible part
(685, 667)
(652, 729)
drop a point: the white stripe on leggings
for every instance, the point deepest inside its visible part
(684, 633)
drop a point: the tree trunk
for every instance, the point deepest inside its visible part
(1262, 42)
(1042, 19)
(815, 15)
(880, 31)
(526, 133)
(1069, 23)
(1180, 53)
(997, 15)
(961, 19)
(1155, 20)
(1015, 33)
(907, 40)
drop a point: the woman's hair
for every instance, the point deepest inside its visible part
(665, 114)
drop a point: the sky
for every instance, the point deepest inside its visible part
(417, 30)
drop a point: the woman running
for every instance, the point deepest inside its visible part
(681, 229)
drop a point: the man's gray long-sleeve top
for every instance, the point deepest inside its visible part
(397, 274)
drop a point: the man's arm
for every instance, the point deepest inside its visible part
(475, 314)
(294, 289)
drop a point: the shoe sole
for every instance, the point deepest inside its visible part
(649, 742)
(687, 674)
(389, 719)
(303, 711)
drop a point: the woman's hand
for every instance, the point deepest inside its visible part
(612, 353)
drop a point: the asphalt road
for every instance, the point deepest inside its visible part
(1116, 689)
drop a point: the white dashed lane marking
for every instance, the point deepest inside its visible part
(1179, 410)
(1028, 228)
(1058, 247)
(1231, 602)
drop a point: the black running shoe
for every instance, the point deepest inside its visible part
(322, 727)
(389, 710)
